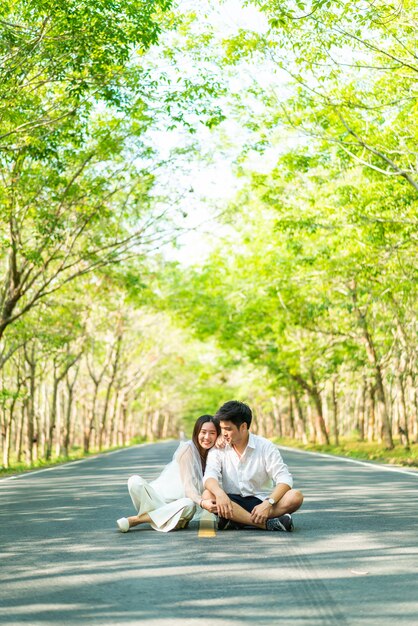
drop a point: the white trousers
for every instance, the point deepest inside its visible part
(164, 515)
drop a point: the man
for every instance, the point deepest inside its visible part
(256, 484)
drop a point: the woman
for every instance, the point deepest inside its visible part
(170, 501)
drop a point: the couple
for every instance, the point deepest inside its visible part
(244, 481)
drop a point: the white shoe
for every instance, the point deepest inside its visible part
(123, 524)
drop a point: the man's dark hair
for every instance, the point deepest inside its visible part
(236, 412)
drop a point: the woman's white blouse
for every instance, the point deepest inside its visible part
(183, 477)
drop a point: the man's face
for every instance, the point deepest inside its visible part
(233, 434)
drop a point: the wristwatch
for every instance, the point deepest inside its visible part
(271, 501)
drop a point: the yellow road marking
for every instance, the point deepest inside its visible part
(207, 525)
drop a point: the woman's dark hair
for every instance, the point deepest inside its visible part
(236, 412)
(203, 419)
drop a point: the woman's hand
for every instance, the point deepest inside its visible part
(209, 505)
(220, 443)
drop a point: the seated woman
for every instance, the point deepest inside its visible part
(170, 501)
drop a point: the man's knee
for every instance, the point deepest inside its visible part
(296, 499)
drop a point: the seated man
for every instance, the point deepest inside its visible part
(257, 485)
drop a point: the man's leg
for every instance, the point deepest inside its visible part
(243, 517)
(241, 511)
(289, 503)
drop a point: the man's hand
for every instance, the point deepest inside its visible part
(261, 512)
(220, 443)
(209, 505)
(224, 505)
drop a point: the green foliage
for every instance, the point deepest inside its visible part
(317, 280)
(368, 451)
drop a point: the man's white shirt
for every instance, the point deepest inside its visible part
(256, 473)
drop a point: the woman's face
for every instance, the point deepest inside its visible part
(207, 436)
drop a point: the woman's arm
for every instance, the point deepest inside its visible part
(191, 475)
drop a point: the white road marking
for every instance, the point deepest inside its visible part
(368, 464)
(65, 463)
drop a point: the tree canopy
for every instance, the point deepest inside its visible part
(112, 116)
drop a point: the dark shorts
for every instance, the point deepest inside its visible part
(246, 502)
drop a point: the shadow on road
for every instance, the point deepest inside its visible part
(351, 560)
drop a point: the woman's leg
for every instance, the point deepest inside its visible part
(143, 496)
(135, 520)
(144, 499)
(173, 515)
(187, 515)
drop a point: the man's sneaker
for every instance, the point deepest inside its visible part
(228, 524)
(283, 523)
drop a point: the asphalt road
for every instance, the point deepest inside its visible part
(352, 559)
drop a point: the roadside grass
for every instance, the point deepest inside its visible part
(365, 450)
(348, 447)
(76, 453)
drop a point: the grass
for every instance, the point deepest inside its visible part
(349, 447)
(353, 448)
(75, 454)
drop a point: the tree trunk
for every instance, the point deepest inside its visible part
(371, 414)
(166, 423)
(21, 427)
(113, 427)
(313, 393)
(373, 359)
(276, 417)
(115, 367)
(155, 424)
(403, 419)
(124, 409)
(53, 417)
(413, 407)
(291, 418)
(32, 438)
(90, 427)
(362, 410)
(301, 433)
(335, 412)
(103, 421)
(70, 384)
(7, 443)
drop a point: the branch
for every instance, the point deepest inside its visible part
(379, 154)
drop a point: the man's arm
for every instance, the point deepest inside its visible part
(223, 503)
(280, 475)
(262, 512)
(276, 468)
(211, 481)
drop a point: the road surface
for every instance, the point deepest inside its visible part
(352, 559)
